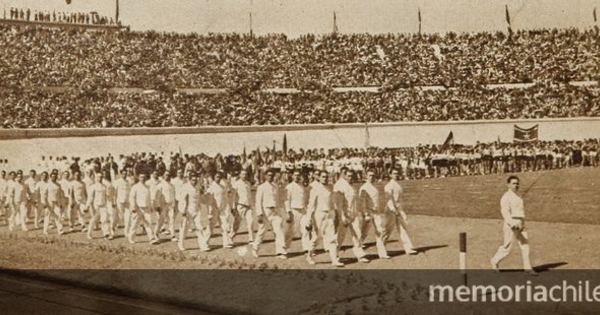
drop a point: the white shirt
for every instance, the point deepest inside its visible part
(178, 184)
(99, 195)
(511, 206)
(167, 192)
(139, 196)
(122, 190)
(321, 199)
(77, 192)
(220, 194)
(53, 193)
(296, 196)
(343, 187)
(17, 192)
(243, 192)
(267, 196)
(370, 199)
(393, 195)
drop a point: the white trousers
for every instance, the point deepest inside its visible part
(272, 218)
(510, 237)
(298, 226)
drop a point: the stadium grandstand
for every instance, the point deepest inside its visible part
(55, 75)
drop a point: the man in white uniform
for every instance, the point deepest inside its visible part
(352, 219)
(371, 203)
(77, 200)
(166, 190)
(321, 203)
(139, 200)
(395, 212)
(297, 218)
(52, 195)
(197, 207)
(243, 204)
(122, 190)
(221, 195)
(34, 197)
(18, 197)
(268, 211)
(100, 203)
(513, 214)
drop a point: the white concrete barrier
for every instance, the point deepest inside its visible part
(26, 146)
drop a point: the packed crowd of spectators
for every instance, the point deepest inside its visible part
(37, 56)
(59, 17)
(423, 161)
(102, 108)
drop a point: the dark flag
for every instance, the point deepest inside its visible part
(595, 17)
(419, 20)
(68, 1)
(507, 18)
(526, 135)
(449, 140)
(244, 156)
(259, 159)
(251, 32)
(285, 145)
(117, 13)
(335, 27)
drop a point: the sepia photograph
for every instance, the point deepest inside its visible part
(299, 157)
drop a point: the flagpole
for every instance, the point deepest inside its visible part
(507, 16)
(419, 21)
(595, 18)
(117, 13)
(250, 23)
(335, 27)
(250, 17)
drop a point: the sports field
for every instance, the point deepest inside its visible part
(567, 196)
(560, 206)
(564, 235)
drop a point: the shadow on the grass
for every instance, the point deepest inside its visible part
(538, 268)
(547, 267)
(420, 250)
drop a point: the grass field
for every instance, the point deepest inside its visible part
(564, 235)
(567, 196)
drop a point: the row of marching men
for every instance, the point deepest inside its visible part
(314, 211)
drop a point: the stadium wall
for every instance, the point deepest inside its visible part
(23, 146)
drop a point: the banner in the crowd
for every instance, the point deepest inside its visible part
(449, 140)
(526, 135)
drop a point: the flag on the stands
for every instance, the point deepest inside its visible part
(250, 22)
(284, 145)
(419, 20)
(507, 17)
(449, 140)
(259, 159)
(526, 135)
(117, 13)
(367, 137)
(244, 156)
(335, 27)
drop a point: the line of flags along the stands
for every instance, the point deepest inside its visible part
(335, 29)
(521, 135)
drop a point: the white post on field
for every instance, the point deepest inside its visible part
(462, 255)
